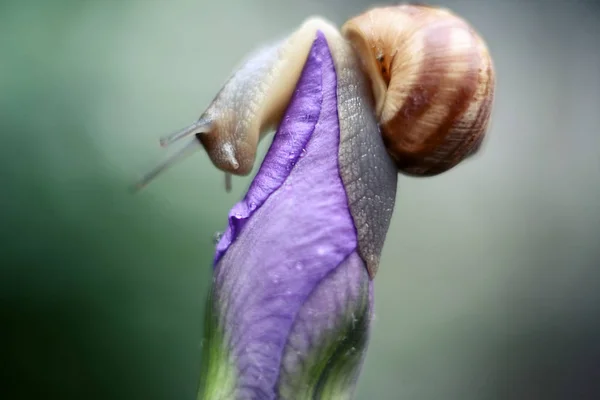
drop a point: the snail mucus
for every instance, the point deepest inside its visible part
(415, 92)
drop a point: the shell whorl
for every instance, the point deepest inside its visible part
(433, 83)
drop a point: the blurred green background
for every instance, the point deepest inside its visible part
(488, 287)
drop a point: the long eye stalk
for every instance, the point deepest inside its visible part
(198, 127)
(193, 146)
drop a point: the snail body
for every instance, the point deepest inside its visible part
(415, 88)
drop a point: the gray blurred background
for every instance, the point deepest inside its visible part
(488, 287)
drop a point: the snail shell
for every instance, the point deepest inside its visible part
(433, 82)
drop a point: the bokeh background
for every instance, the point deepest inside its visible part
(489, 283)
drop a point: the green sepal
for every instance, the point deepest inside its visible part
(217, 375)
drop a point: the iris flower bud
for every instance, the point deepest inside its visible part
(291, 303)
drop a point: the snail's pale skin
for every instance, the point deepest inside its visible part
(415, 88)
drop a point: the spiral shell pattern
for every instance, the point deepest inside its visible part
(433, 83)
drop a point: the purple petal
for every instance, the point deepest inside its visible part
(341, 303)
(287, 147)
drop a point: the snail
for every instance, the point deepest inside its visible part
(415, 87)
(431, 81)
